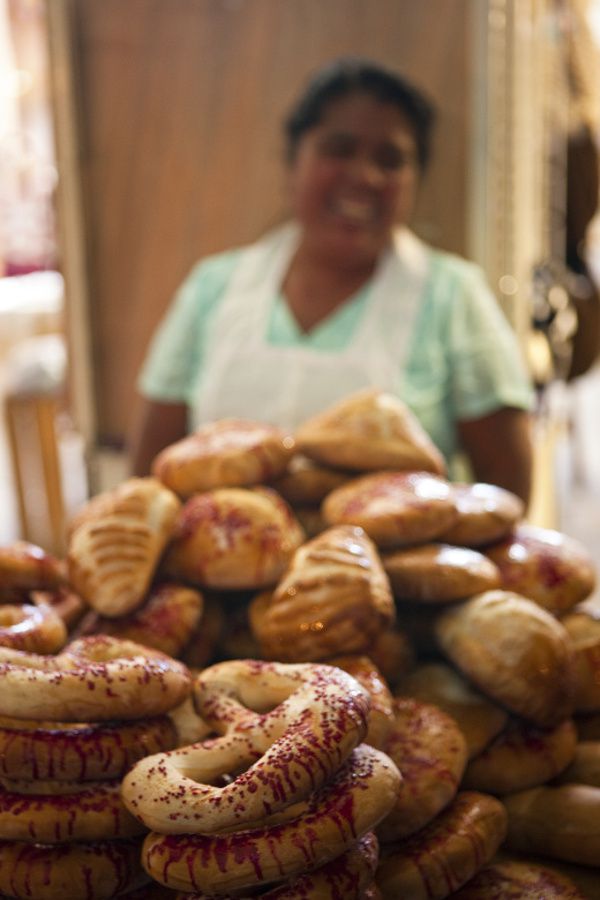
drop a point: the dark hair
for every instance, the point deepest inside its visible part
(354, 75)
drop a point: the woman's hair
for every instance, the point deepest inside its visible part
(354, 75)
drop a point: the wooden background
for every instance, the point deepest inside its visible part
(180, 106)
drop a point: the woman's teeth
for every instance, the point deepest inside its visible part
(355, 211)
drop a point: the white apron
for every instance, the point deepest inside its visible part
(247, 377)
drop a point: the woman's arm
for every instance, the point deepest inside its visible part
(157, 426)
(499, 448)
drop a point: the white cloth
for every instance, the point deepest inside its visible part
(246, 376)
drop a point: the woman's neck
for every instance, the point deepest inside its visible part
(314, 289)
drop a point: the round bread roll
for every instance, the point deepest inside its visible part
(478, 718)
(546, 566)
(225, 453)
(430, 752)
(166, 621)
(514, 652)
(517, 880)
(584, 767)
(583, 627)
(444, 855)
(559, 822)
(439, 573)
(233, 539)
(369, 430)
(306, 483)
(522, 757)
(26, 567)
(381, 714)
(486, 513)
(394, 508)
(334, 598)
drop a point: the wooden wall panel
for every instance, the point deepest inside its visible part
(181, 105)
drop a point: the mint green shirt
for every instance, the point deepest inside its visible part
(463, 359)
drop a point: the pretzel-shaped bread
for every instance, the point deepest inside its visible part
(96, 678)
(318, 715)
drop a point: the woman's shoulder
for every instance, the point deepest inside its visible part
(214, 269)
(452, 266)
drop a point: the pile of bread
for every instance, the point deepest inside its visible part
(380, 683)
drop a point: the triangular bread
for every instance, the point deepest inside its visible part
(369, 430)
(113, 551)
(334, 598)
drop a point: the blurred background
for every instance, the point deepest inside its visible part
(136, 137)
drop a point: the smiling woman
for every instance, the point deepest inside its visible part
(344, 297)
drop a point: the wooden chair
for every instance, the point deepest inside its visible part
(34, 455)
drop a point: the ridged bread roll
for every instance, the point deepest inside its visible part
(369, 430)
(334, 598)
(114, 552)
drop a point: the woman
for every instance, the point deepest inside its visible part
(345, 296)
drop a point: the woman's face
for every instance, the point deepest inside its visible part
(354, 177)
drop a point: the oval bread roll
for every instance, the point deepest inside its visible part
(394, 508)
(559, 822)
(514, 652)
(522, 757)
(225, 453)
(518, 880)
(486, 513)
(430, 752)
(478, 718)
(546, 566)
(439, 573)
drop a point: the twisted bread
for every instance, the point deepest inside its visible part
(334, 817)
(318, 715)
(94, 679)
(63, 751)
(37, 629)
